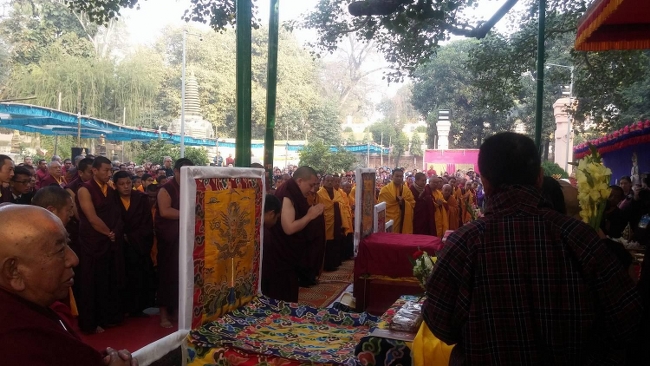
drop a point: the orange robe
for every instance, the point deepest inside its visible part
(442, 217)
(469, 198)
(402, 222)
(453, 210)
(346, 206)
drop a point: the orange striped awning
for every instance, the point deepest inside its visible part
(615, 25)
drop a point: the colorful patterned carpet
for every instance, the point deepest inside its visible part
(330, 286)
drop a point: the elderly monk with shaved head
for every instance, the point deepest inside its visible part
(36, 269)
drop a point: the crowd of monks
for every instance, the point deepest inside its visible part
(430, 206)
(125, 234)
(297, 257)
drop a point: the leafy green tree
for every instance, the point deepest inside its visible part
(320, 157)
(445, 82)
(551, 168)
(416, 145)
(383, 132)
(155, 151)
(400, 146)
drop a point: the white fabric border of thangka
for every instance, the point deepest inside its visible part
(156, 350)
(381, 206)
(358, 205)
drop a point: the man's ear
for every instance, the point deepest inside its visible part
(11, 275)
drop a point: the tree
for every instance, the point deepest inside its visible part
(321, 157)
(605, 82)
(155, 151)
(400, 146)
(416, 145)
(383, 132)
(446, 82)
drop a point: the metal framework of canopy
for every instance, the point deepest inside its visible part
(47, 121)
(615, 25)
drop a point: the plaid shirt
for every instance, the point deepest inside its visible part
(529, 286)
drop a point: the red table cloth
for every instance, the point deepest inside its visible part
(387, 254)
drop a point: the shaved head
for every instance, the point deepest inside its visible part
(35, 260)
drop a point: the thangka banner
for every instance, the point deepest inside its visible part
(365, 200)
(226, 241)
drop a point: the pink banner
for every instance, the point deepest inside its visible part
(451, 161)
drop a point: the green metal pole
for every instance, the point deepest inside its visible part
(540, 75)
(243, 134)
(271, 87)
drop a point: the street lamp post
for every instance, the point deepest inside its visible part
(568, 134)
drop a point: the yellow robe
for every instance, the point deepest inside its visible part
(389, 195)
(352, 196)
(442, 216)
(453, 212)
(328, 211)
(348, 209)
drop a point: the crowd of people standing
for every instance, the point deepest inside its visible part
(122, 222)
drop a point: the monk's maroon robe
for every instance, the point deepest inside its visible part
(73, 224)
(138, 234)
(6, 194)
(101, 262)
(49, 180)
(424, 212)
(293, 254)
(36, 336)
(167, 233)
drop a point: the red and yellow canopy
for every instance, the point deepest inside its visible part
(615, 25)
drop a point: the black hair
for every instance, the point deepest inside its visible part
(101, 160)
(182, 162)
(304, 172)
(121, 175)
(552, 191)
(146, 176)
(21, 170)
(152, 187)
(625, 177)
(3, 159)
(84, 164)
(613, 188)
(509, 158)
(272, 203)
(52, 195)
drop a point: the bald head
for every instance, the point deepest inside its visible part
(54, 168)
(35, 260)
(446, 191)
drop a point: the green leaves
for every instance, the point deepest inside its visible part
(319, 156)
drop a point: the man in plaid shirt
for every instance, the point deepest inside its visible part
(527, 285)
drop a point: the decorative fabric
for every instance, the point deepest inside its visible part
(226, 265)
(367, 204)
(287, 330)
(376, 351)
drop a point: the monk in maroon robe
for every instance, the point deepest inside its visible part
(301, 228)
(6, 173)
(100, 253)
(167, 233)
(34, 250)
(138, 241)
(84, 174)
(55, 176)
(424, 218)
